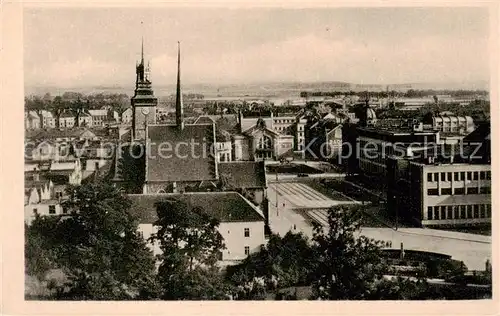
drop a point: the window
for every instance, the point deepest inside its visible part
(443, 212)
(443, 176)
(432, 192)
(462, 176)
(482, 175)
(456, 212)
(472, 190)
(469, 211)
(35, 211)
(446, 191)
(459, 191)
(436, 177)
(488, 175)
(449, 176)
(462, 212)
(429, 213)
(483, 211)
(247, 250)
(488, 211)
(476, 211)
(457, 176)
(247, 232)
(429, 177)
(476, 175)
(65, 210)
(52, 209)
(449, 212)
(469, 175)
(485, 190)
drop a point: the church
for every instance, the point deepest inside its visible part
(174, 158)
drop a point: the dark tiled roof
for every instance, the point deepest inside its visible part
(61, 133)
(244, 174)
(224, 206)
(191, 163)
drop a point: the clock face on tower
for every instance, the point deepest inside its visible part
(145, 111)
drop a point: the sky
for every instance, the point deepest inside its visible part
(81, 47)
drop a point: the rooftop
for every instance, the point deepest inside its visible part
(244, 174)
(224, 206)
(192, 161)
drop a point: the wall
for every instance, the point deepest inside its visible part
(233, 235)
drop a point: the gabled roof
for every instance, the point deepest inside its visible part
(186, 163)
(203, 119)
(244, 174)
(224, 206)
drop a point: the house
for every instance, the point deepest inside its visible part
(85, 119)
(31, 120)
(65, 135)
(241, 223)
(41, 199)
(99, 117)
(66, 120)
(248, 177)
(48, 120)
(93, 154)
(59, 172)
(127, 116)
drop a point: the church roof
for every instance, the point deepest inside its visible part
(224, 206)
(187, 157)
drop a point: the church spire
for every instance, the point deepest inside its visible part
(179, 115)
(142, 50)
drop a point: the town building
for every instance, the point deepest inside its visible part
(47, 119)
(268, 138)
(41, 198)
(246, 177)
(447, 122)
(31, 120)
(66, 120)
(127, 116)
(241, 223)
(374, 144)
(444, 186)
(99, 117)
(85, 119)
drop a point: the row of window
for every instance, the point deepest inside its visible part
(459, 176)
(460, 191)
(52, 210)
(459, 211)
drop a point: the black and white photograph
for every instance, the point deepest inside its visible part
(257, 153)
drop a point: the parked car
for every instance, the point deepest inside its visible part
(301, 175)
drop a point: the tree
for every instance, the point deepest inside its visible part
(349, 266)
(283, 262)
(57, 107)
(98, 247)
(190, 245)
(37, 105)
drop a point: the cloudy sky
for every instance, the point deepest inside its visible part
(87, 47)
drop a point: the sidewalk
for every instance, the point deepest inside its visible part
(446, 234)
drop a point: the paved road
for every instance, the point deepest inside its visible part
(472, 249)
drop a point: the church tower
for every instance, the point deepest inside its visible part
(143, 102)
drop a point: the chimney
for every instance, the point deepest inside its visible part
(179, 111)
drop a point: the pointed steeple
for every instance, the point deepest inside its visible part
(142, 50)
(179, 111)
